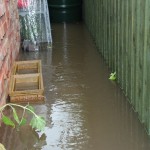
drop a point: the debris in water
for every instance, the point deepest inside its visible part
(112, 76)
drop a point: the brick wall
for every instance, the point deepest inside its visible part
(9, 43)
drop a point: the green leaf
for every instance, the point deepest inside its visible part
(33, 122)
(112, 76)
(7, 121)
(16, 116)
(2, 147)
(23, 122)
(30, 108)
(38, 123)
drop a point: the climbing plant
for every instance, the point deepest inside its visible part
(36, 122)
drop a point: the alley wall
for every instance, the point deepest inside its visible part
(9, 43)
(121, 31)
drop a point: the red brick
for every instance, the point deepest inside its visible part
(1, 64)
(1, 10)
(5, 27)
(6, 67)
(1, 82)
(4, 47)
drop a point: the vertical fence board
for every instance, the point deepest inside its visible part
(112, 34)
(140, 70)
(115, 35)
(145, 65)
(117, 39)
(109, 34)
(106, 31)
(123, 45)
(126, 47)
(133, 52)
(147, 62)
(128, 38)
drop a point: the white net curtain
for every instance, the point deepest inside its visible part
(34, 22)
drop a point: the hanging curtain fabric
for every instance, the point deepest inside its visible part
(23, 4)
(34, 23)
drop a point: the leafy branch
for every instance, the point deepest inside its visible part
(36, 122)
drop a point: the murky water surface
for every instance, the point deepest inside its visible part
(83, 109)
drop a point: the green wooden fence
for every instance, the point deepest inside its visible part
(121, 31)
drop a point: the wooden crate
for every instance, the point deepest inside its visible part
(27, 67)
(26, 88)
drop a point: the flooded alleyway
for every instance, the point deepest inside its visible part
(84, 110)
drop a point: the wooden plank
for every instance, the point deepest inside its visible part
(27, 98)
(115, 35)
(146, 85)
(127, 69)
(133, 52)
(27, 67)
(102, 31)
(119, 42)
(109, 34)
(124, 45)
(140, 68)
(129, 49)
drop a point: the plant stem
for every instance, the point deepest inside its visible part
(24, 107)
(22, 116)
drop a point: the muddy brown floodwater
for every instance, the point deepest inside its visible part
(83, 109)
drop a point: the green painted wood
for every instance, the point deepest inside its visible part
(128, 49)
(117, 39)
(132, 43)
(135, 50)
(121, 31)
(127, 70)
(140, 68)
(124, 46)
(109, 33)
(122, 50)
(119, 43)
(146, 65)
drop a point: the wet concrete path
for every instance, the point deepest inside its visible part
(83, 109)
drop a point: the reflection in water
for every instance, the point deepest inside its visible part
(68, 126)
(68, 114)
(24, 139)
(26, 134)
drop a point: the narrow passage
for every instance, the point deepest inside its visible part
(84, 110)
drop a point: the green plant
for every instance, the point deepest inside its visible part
(112, 76)
(36, 122)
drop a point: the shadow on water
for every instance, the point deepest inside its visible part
(83, 109)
